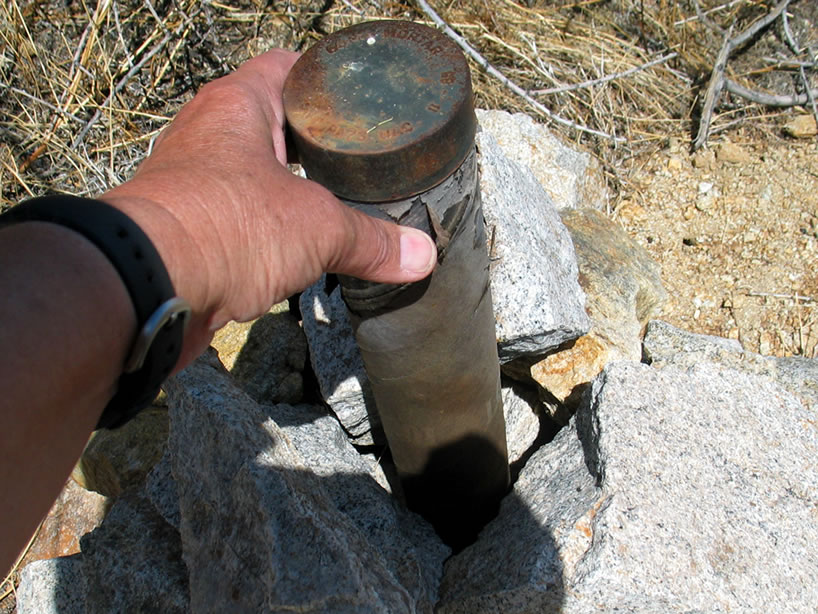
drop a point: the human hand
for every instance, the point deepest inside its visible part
(236, 229)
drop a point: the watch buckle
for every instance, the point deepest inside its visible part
(165, 315)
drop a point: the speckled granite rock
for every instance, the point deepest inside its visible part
(538, 303)
(133, 561)
(521, 411)
(119, 459)
(666, 345)
(337, 363)
(672, 490)
(572, 178)
(264, 528)
(52, 586)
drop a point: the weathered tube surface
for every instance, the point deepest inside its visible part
(429, 348)
(431, 356)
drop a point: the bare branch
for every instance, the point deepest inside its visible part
(45, 103)
(702, 17)
(728, 5)
(787, 64)
(719, 82)
(758, 26)
(714, 88)
(810, 94)
(788, 34)
(770, 100)
(605, 79)
(484, 64)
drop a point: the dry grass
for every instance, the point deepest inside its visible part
(86, 87)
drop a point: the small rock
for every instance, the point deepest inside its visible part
(674, 163)
(705, 201)
(118, 459)
(732, 153)
(704, 159)
(629, 211)
(801, 127)
(76, 512)
(562, 373)
(765, 343)
(267, 356)
(520, 409)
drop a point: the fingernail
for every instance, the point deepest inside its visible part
(417, 252)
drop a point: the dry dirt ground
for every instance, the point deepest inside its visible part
(735, 229)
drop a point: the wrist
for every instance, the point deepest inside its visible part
(183, 256)
(161, 316)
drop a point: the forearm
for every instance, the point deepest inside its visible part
(67, 325)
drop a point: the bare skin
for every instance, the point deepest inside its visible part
(237, 231)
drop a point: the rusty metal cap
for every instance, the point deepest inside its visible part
(381, 110)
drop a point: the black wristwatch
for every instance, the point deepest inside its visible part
(161, 315)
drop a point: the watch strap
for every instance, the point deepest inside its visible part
(161, 316)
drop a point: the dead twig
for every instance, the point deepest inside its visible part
(38, 100)
(699, 12)
(810, 94)
(759, 25)
(785, 64)
(794, 297)
(484, 64)
(718, 81)
(605, 79)
(785, 22)
(714, 88)
(770, 100)
(796, 49)
(703, 19)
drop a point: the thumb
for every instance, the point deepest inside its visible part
(381, 251)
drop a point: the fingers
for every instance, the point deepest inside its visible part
(267, 73)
